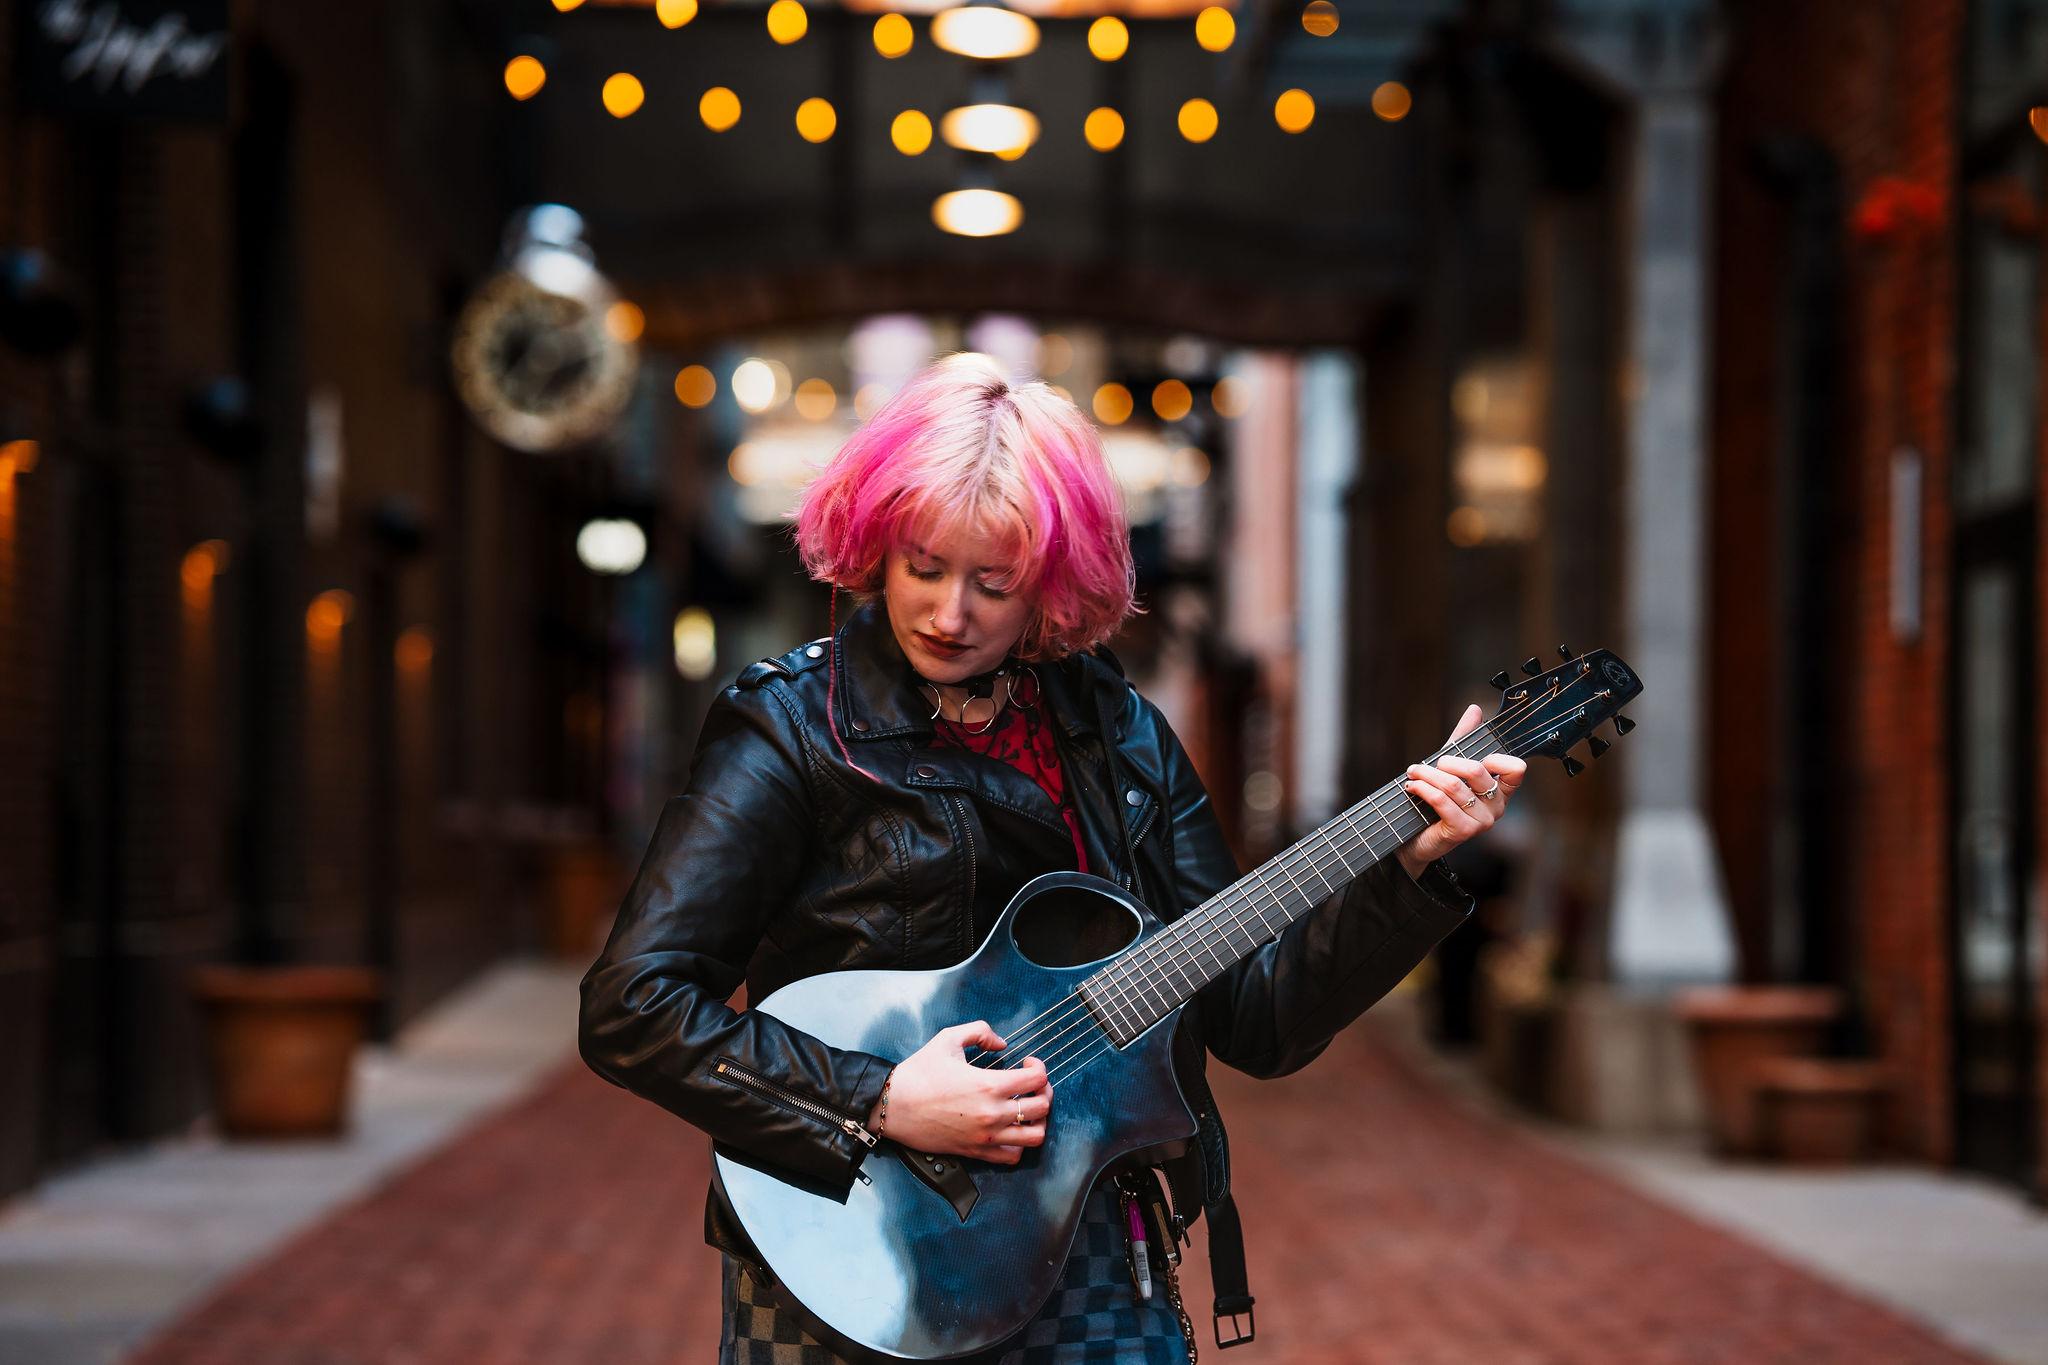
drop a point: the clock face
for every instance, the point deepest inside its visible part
(540, 370)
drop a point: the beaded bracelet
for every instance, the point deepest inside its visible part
(882, 1115)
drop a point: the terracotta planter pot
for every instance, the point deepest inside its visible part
(281, 1044)
(1735, 1027)
(1818, 1111)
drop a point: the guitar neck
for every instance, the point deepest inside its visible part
(1146, 984)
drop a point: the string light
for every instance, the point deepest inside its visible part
(1198, 120)
(893, 35)
(816, 119)
(623, 94)
(1215, 29)
(1104, 129)
(1108, 38)
(1294, 111)
(719, 108)
(675, 13)
(524, 76)
(911, 132)
(787, 21)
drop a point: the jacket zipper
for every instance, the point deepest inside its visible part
(968, 938)
(731, 1071)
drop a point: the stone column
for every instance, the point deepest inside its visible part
(1668, 922)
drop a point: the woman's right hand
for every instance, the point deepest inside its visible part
(941, 1103)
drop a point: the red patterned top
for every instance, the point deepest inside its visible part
(1021, 739)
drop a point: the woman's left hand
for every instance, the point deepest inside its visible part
(1468, 795)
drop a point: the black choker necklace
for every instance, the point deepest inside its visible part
(981, 688)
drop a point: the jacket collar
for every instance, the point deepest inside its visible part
(878, 696)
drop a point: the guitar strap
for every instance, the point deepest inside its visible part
(1227, 1272)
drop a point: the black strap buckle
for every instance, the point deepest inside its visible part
(1240, 1332)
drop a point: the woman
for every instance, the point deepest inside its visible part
(874, 798)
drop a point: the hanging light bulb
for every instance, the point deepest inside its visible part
(977, 212)
(985, 31)
(995, 128)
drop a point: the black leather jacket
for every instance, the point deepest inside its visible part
(781, 861)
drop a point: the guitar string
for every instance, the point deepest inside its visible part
(1195, 931)
(1195, 926)
(1075, 1062)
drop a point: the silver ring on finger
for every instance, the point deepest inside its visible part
(1020, 1113)
(1468, 805)
(1487, 795)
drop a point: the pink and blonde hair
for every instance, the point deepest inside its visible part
(961, 445)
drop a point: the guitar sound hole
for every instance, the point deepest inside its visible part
(1069, 926)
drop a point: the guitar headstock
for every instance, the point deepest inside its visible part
(1547, 713)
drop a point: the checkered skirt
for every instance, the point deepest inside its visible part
(1094, 1317)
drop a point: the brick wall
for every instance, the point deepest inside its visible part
(1875, 86)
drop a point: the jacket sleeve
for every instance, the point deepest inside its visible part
(1277, 1009)
(724, 859)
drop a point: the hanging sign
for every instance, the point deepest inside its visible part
(125, 58)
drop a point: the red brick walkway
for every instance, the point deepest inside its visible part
(1384, 1223)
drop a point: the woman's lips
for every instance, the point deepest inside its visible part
(940, 647)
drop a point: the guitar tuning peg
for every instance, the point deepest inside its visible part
(1599, 745)
(1622, 724)
(1499, 680)
(1572, 766)
(1565, 652)
(1532, 666)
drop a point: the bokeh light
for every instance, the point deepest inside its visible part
(1113, 404)
(1104, 129)
(1229, 397)
(977, 213)
(893, 35)
(1466, 526)
(1294, 111)
(695, 640)
(675, 13)
(1197, 120)
(566, 5)
(625, 321)
(756, 387)
(816, 119)
(1171, 400)
(695, 386)
(1392, 101)
(2038, 118)
(984, 32)
(1215, 29)
(911, 132)
(719, 108)
(816, 399)
(524, 76)
(623, 94)
(996, 128)
(1319, 17)
(787, 21)
(413, 651)
(327, 613)
(1108, 38)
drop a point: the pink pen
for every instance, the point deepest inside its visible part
(1141, 1264)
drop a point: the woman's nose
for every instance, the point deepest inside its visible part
(951, 615)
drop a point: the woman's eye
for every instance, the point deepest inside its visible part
(916, 572)
(997, 593)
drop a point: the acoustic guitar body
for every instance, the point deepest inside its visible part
(936, 1258)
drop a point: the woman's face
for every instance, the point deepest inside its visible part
(948, 622)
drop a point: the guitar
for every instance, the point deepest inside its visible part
(932, 1257)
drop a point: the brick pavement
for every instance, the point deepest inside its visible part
(1386, 1224)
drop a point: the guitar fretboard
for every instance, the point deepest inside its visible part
(1146, 984)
